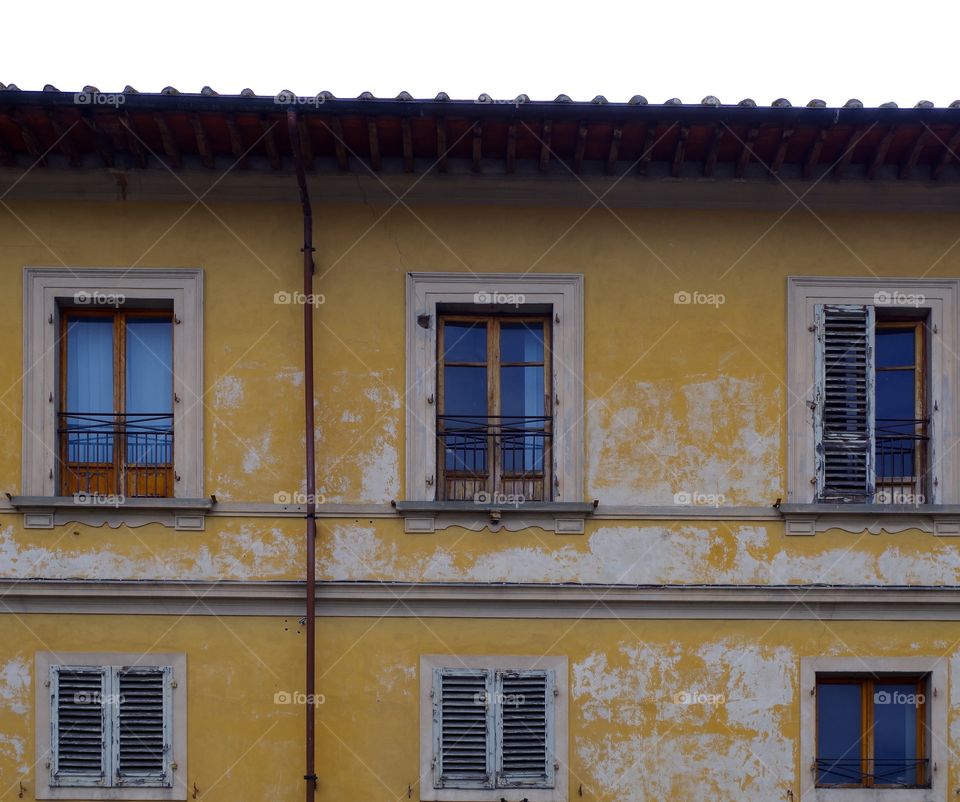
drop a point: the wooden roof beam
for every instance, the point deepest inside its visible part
(30, 139)
(306, 143)
(781, 152)
(680, 151)
(746, 151)
(65, 138)
(880, 152)
(270, 143)
(477, 147)
(813, 155)
(374, 138)
(339, 145)
(849, 149)
(169, 143)
(580, 148)
(236, 142)
(103, 147)
(614, 151)
(407, 145)
(545, 145)
(441, 144)
(511, 160)
(649, 140)
(911, 161)
(203, 144)
(948, 155)
(134, 143)
(713, 150)
(6, 157)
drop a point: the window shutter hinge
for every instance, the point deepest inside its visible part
(176, 398)
(556, 318)
(430, 481)
(176, 476)
(51, 398)
(556, 765)
(811, 328)
(432, 693)
(173, 684)
(47, 684)
(174, 766)
(51, 473)
(50, 319)
(176, 321)
(430, 399)
(556, 691)
(433, 761)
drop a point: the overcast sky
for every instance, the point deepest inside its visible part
(875, 51)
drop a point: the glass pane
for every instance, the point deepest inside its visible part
(523, 424)
(895, 347)
(149, 391)
(895, 708)
(895, 413)
(521, 342)
(89, 390)
(465, 342)
(838, 734)
(463, 424)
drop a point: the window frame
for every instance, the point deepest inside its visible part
(563, 295)
(47, 291)
(940, 298)
(934, 668)
(47, 788)
(430, 665)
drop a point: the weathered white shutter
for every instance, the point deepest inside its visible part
(525, 726)
(844, 403)
(463, 728)
(142, 733)
(80, 725)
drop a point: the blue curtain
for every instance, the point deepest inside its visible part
(90, 389)
(149, 391)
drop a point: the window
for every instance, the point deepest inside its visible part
(113, 396)
(870, 406)
(115, 422)
(493, 724)
(872, 731)
(112, 722)
(873, 384)
(493, 412)
(520, 339)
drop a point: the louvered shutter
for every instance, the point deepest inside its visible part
(843, 413)
(141, 744)
(463, 727)
(79, 725)
(525, 726)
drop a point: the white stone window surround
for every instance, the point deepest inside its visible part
(941, 299)
(938, 752)
(563, 293)
(46, 290)
(557, 664)
(42, 663)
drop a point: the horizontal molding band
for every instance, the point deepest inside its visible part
(452, 600)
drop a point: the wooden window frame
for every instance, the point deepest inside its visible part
(119, 481)
(867, 685)
(494, 480)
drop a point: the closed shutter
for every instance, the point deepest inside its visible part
(142, 733)
(843, 419)
(80, 725)
(463, 726)
(525, 726)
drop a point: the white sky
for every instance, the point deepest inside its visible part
(874, 50)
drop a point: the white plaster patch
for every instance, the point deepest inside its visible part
(228, 392)
(15, 685)
(291, 376)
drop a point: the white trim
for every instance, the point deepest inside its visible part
(557, 664)
(564, 294)
(935, 666)
(42, 694)
(43, 287)
(942, 299)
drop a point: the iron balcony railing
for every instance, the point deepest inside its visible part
(901, 460)
(905, 772)
(484, 458)
(116, 454)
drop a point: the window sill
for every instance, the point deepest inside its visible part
(513, 794)
(562, 518)
(46, 512)
(942, 520)
(873, 795)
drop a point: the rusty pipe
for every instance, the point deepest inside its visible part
(310, 624)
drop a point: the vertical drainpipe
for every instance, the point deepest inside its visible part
(311, 622)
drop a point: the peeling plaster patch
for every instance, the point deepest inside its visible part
(396, 676)
(15, 685)
(253, 459)
(711, 749)
(954, 712)
(228, 392)
(12, 750)
(291, 375)
(711, 437)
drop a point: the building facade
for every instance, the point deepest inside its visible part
(636, 449)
